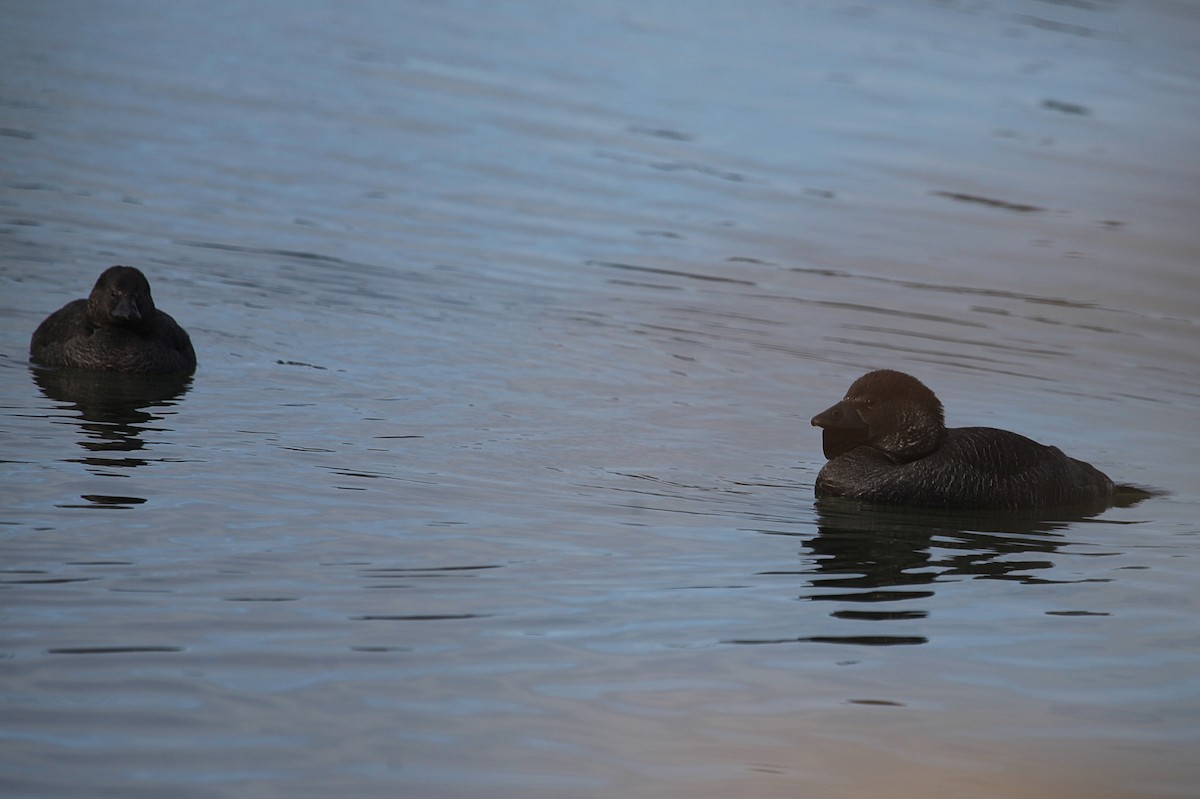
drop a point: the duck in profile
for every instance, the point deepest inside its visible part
(116, 329)
(887, 442)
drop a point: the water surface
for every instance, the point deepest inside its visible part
(496, 474)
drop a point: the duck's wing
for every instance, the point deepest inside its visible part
(1006, 469)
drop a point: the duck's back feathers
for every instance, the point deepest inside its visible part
(975, 467)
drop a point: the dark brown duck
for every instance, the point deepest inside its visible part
(117, 328)
(887, 442)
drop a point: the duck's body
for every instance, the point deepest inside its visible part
(887, 442)
(117, 328)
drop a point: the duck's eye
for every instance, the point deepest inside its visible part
(868, 403)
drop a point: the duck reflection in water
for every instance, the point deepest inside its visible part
(878, 562)
(114, 409)
(883, 552)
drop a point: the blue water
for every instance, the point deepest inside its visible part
(495, 478)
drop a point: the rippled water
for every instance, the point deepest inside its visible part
(496, 475)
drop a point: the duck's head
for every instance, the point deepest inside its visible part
(121, 298)
(891, 411)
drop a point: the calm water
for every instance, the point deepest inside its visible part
(496, 475)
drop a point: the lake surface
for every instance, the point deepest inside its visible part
(495, 478)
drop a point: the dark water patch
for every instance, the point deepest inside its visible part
(426, 571)
(1026, 579)
(935, 356)
(867, 595)
(108, 467)
(1060, 302)
(955, 288)
(1068, 28)
(118, 501)
(852, 640)
(50, 580)
(766, 768)
(868, 640)
(877, 702)
(1087, 5)
(675, 166)
(1047, 320)
(380, 649)
(113, 650)
(653, 270)
(900, 312)
(989, 344)
(1066, 108)
(99, 563)
(640, 284)
(100, 505)
(721, 316)
(300, 363)
(365, 475)
(424, 617)
(991, 202)
(660, 133)
(482, 567)
(296, 254)
(880, 615)
(1076, 613)
(703, 169)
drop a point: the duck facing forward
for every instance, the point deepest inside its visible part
(116, 329)
(887, 442)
